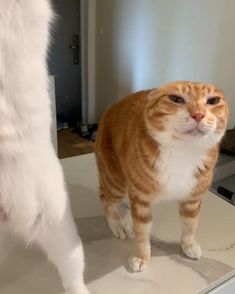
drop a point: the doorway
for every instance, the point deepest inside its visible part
(65, 62)
(68, 63)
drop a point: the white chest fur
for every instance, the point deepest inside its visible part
(176, 169)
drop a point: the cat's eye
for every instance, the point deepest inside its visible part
(177, 99)
(213, 100)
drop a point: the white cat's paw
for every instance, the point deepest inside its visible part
(194, 251)
(137, 264)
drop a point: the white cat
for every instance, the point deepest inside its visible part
(33, 199)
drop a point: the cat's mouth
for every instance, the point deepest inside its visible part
(195, 131)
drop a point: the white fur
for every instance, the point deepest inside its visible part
(137, 264)
(176, 167)
(32, 190)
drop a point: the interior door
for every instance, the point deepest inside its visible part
(64, 60)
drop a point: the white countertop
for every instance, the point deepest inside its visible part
(169, 272)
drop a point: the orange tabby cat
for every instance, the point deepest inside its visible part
(156, 145)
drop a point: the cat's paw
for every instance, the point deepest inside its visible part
(117, 228)
(137, 264)
(121, 228)
(128, 225)
(193, 251)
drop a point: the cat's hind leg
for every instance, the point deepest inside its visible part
(116, 209)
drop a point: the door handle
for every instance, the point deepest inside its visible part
(76, 49)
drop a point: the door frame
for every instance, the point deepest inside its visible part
(88, 48)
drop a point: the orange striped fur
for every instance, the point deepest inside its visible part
(156, 145)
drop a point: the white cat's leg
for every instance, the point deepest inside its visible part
(189, 212)
(64, 249)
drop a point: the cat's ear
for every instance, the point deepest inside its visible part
(152, 101)
(154, 94)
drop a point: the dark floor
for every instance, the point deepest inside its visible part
(71, 144)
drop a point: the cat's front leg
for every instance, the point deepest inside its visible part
(189, 212)
(142, 221)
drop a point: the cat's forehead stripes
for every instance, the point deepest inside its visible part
(192, 89)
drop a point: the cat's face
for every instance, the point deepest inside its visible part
(185, 110)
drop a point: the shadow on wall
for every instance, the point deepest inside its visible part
(142, 45)
(132, 47)
(225, 62)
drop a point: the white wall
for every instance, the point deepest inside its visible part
(143, 44)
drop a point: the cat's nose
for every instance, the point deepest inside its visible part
(198, 116)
